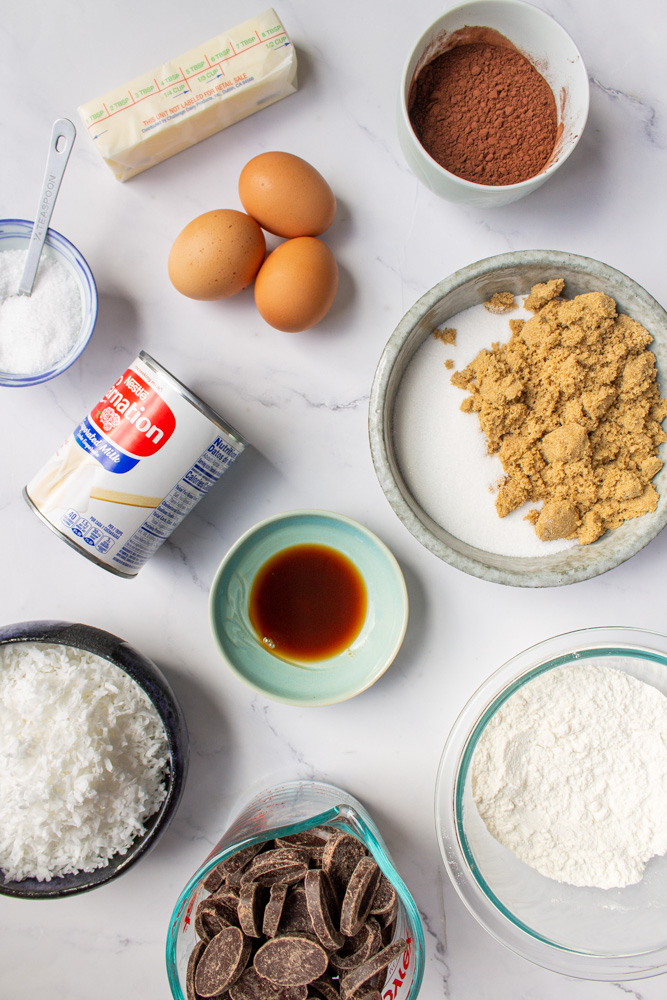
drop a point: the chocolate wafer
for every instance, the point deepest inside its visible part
(253, 898)
(252, 986)
(358, 897)
(274, 909)
(353, 981)
(293, 960)
(323, 908)
(224, 959)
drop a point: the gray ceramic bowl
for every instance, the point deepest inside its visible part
(474, 284)
(150, 679)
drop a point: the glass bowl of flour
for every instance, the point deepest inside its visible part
(42, 334)
(551, 804)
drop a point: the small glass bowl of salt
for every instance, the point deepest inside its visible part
(42, 334)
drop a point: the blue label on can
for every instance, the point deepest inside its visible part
(102, 450)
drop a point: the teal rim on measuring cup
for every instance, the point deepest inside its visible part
(280, 811)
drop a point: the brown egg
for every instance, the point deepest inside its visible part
(216, 255)
(297, 284)
(286, 195)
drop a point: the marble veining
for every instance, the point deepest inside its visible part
(650, 117)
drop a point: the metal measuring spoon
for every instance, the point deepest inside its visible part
(63, 134)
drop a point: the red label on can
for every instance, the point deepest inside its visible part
(134, 416)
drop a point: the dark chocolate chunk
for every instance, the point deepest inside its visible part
(286, 873)
(385, 901)
(341, 855)
(375, 932)
(250, 912)
(279, 856)
(359, 948)
(283, 865)
(323, 988)
(236, 862)
(364, 974)
(193, 961)
(214, 879)
(313, 842)
(254, 987)
(208, 920)
(388, 932)
(359, 895)
(225, 902)
(296, 918)
(307, 838)
(389, 919)
(291, 961)
(274, 909)
(224, 959)
(374, 984)
(323, 908)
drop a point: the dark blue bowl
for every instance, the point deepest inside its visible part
(150, 679)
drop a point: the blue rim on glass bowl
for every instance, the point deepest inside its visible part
(287, 809)
(587, 933)
(151, 680)
(327, 681)
(15, 235)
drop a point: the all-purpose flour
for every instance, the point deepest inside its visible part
(571, 775)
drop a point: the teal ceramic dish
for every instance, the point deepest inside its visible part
(326, 681)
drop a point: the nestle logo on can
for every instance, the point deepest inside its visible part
(135, 387)
(134, 416)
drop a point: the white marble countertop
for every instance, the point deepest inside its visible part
(301, 400)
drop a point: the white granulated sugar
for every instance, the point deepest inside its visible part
(571, 775)
(442, 452)
(37, 330)
(83, 755)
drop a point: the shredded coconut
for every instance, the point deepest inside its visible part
(37, 330)
(83, 755)
(571, 775)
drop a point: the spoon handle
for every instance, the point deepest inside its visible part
(62, 140)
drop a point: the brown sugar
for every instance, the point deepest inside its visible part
(571, 406)
(500, 302)
(447, 334)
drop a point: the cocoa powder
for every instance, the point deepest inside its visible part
(484, 113)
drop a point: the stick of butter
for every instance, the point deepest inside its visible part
(193, 96)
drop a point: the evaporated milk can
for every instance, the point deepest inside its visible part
(128, 474)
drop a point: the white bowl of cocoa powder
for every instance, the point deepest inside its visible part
(494, 98)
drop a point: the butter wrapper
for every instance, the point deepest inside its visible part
(193, 96)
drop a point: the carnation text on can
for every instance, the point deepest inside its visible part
(133, 468)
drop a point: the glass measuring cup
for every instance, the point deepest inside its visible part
(285, 809)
